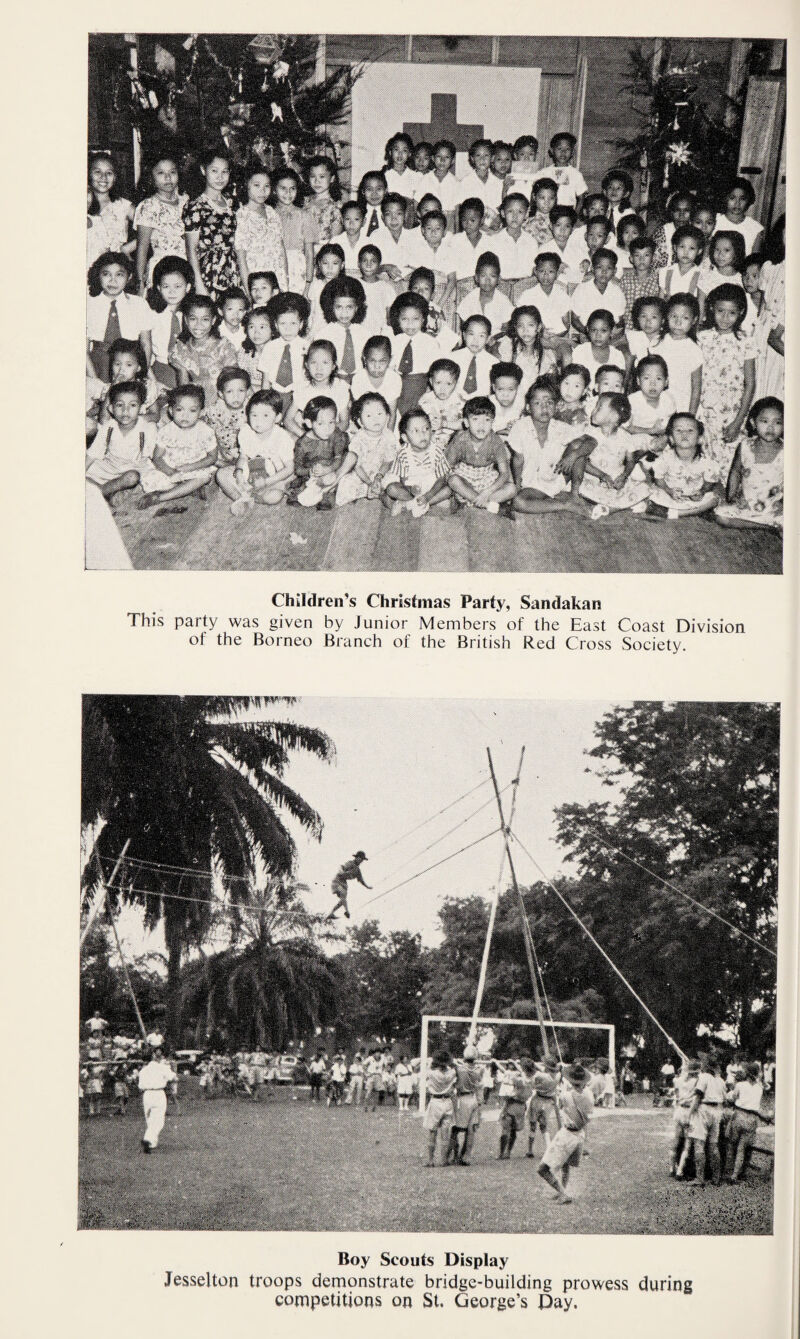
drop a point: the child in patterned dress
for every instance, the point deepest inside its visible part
(686, 481)
(609, 476)
(372, 447)
(754, 493)
(297, 226)
(729, 377)
(185, 453)
(200, 352)
(442, 401)
(228, 414)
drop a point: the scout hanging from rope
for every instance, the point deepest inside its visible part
(351, 869)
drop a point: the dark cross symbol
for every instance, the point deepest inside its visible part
(444, 124)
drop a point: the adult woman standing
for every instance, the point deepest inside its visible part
(109, 215)
(258, 241)
(158, 221)
(210, 225)
(770, 377)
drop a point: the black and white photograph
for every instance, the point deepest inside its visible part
(499, 304)
(417, 965)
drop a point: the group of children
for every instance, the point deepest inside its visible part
(545, 1097)
(716, 1119)
(509, 342)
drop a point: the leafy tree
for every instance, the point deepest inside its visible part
(103, 986)
(698, 807)
(383, 976)
(273, 983)
(197, 784)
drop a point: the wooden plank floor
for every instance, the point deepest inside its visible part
(363, 537)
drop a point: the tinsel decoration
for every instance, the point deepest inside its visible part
(688, 139)
(257, 92)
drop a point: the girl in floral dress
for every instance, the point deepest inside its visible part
(729, 375)
(321, 202)
(754, 495)
(200, 352)
(158, 221)
(297, 227)
(258, 241)
(210, 225)
(109, 215)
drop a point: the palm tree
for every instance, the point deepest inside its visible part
(197, 784)
(272, 982)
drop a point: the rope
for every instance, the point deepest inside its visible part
(673, 889)
(435, 865)
(426, 821)
(444, 836)
(182, 897)
(181, 869)
(600, 948)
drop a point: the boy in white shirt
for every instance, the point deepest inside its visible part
(514, 248)
(600, 293)
(652, 405)
(571, 184)
(474, 360)
(486, 299)
(552, 301)
(505, 380)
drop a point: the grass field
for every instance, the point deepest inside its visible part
(285, 1165)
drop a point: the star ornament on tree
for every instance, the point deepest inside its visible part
(679, 154)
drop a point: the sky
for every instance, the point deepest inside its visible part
(399, 761)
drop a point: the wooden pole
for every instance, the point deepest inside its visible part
(473, 1027)
(101, 901)
(526, 929)
(125, 968)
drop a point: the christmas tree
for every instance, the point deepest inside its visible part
(690, 131)
(259, 93)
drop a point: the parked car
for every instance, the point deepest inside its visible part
(285, 1068)
(187, 1061)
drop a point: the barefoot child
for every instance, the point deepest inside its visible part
(372, 451)
(478, 460)
(538, 443)
(122, 448)
(264, 465)
(686, 480)
(319, 456)
(185, 452)
(611, 478)
(417, 481)
(754, 493)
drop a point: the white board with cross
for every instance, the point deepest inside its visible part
(457, 102)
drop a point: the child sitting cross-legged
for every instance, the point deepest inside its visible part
(478, 460)
(418, 478)
(264, 465)
(754, 494)
(123, 446)
(371, 453)
(540, 462)
(319, 456)
(685, 480)
(185, 453)
(609, 476)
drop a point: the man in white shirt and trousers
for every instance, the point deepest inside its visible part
(153, 1080)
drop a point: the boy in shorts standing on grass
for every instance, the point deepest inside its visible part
(565, 1148)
